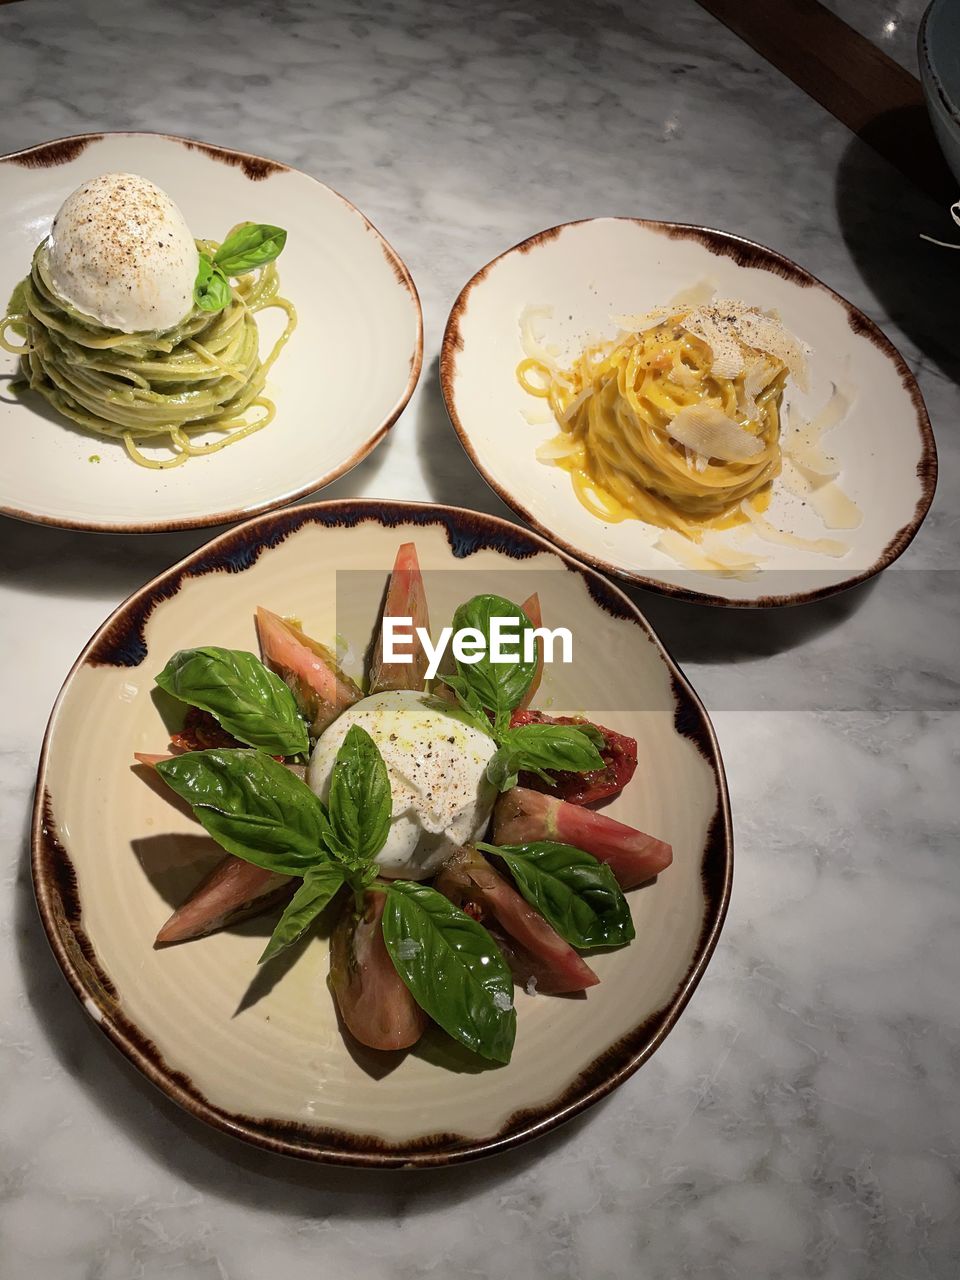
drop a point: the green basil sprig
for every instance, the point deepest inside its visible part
(211, 289)
(261, 812)
(452, 968)
(247, 699)
(320, 885)
(252, 806)
(577, 894)
(249, 248)
(488, 692)
(497, 686)
(360, 801)
(538, 747)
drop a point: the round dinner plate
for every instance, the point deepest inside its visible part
(339, 384)
(261, 1055)
(585, 275)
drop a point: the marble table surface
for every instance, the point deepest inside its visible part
(803, 1119)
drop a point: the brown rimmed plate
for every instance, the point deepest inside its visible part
(262, 1056)
(340, 383)
(584, 276)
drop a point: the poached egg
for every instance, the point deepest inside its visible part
(437, 769)
(120, 251)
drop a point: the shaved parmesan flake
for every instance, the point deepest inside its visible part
(833, 412)
(803, 443)
(811, 458)
(538, 418)
(834, 507)
(578, 400)
(695, 295)
(770, 533)
(728, 326)
(533, 342)
(640, 322)
(708, 431)
(720, 338)
(767, 334)
(759, 373)
(822, 495)
(561, 446)
(710, 555)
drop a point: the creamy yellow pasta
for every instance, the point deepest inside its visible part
(676, 421)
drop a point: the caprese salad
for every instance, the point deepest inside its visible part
(450, 827)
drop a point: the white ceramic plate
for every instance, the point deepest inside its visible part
(588, 273)
(339, 384)
(262, 1056)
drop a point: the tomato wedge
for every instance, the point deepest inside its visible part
(405, 598)
(308, 668)
(531, 607)
(376, 1007)
(233, 890)
(535, 948)
(522, 815)
(619, 754)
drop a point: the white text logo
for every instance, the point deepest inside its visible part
(469, 644)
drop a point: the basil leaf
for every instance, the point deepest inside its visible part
(502, 771)
(360, 803)
(539, 747)
(319, 886)
(499, 686)
(211, 289)
(469, 708)
(252, 806)
(251, 246)
(249, 701)
(574, 892)
(590, 731)
(452, 968)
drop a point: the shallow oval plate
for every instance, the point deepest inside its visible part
(589, 272)
(261, 1055)
(335, 401)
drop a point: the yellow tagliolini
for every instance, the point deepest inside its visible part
(205, 376)
(676, 422)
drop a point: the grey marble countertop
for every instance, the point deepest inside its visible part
(803, 1119)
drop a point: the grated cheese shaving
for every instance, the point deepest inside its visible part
(770, 533)
(560, 446)
(824, 496)
(533, 343)
(711, 555)
(728, 325)
(708, 431)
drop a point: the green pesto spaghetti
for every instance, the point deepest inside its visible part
(201, 377)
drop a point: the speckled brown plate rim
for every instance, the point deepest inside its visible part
(120, 641)
(257, 168)
(746, 253)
